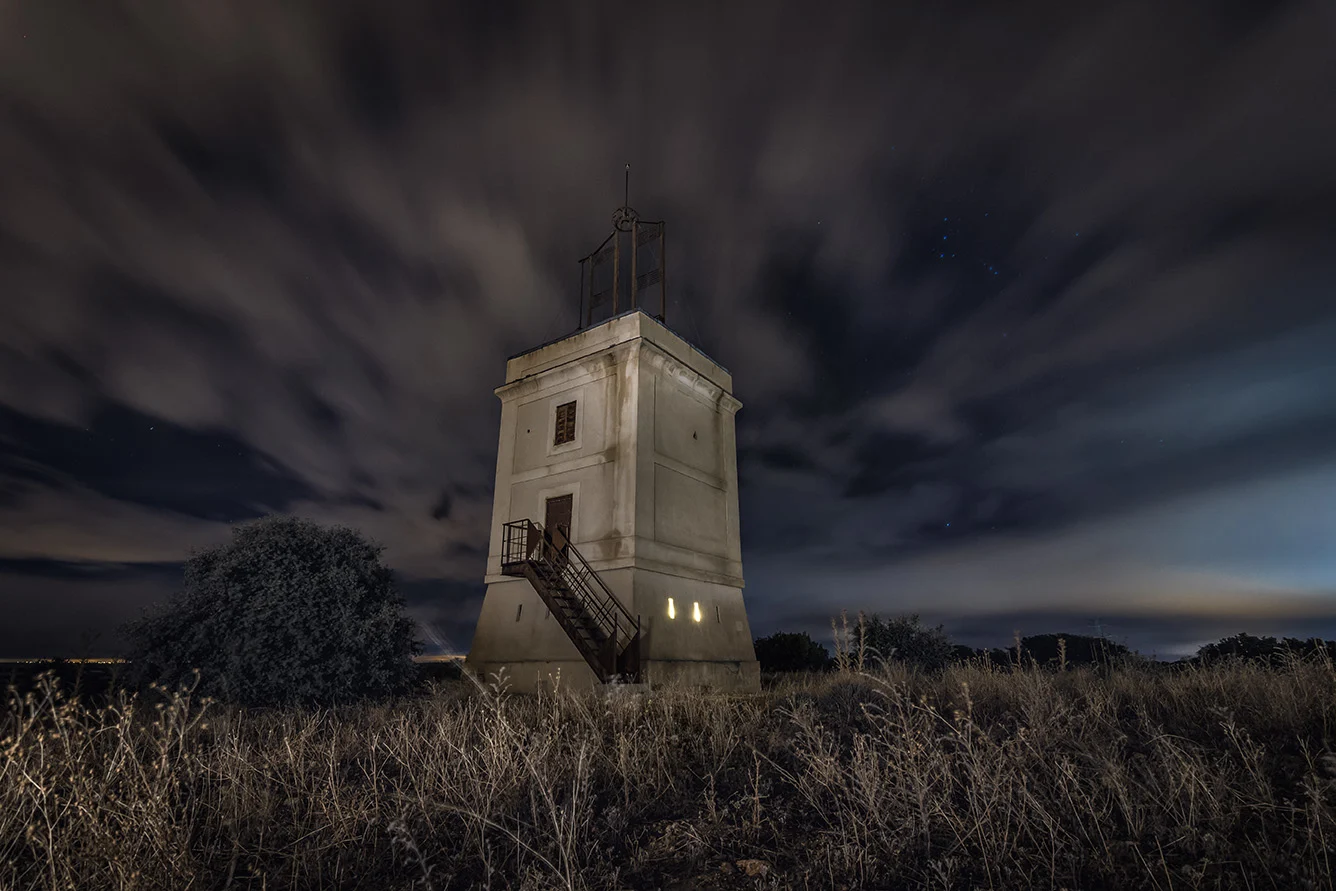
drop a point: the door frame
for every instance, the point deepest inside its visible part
(572, 489)
(547, 512)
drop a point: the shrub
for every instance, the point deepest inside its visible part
(1073, 649)
(906, 639)
(785, 651)
(287, 612)
(962, 654)
(1264, 650)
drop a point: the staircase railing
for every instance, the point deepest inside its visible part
(527, 544)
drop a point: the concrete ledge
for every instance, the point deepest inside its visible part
(634, 324)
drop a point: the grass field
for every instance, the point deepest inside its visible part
(1211, 777)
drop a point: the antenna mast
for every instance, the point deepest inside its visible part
(646, 245)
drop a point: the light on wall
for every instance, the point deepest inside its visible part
(695, 612)
(672, 612)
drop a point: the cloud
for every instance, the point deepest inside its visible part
(1232, 552)
(946, 254)
(80, 525)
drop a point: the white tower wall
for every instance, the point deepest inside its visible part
(652, 472)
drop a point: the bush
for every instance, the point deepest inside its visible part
(1264, 650)
(288, 612)
(960, 653)
(1073, 649)
(906, 639)
(787, 651)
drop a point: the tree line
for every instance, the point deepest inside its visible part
(907, 640)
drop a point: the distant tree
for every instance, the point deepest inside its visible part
(962, 653)
(907, 640)
(1243, 646)
(1266, 650)
(787, 651)
(1310, 646)
(1080, 649)
(287, 612)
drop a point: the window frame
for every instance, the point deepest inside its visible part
(563, 425)
(574, 444)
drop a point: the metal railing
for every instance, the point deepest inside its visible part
(526, 542)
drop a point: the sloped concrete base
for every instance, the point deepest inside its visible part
(530, 677)
(724, 677)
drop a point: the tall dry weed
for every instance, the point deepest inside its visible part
(1216, 777)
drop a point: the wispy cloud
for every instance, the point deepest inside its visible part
(947, 253)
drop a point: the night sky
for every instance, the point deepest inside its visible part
(1032, 311)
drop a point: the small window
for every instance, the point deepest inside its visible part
(717, 617)
(565, 424)
(519, 609)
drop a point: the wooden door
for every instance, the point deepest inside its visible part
(558, 515)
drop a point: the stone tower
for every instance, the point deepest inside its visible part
(614, 542)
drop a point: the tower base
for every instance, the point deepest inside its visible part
(523, 676)
(517, 632)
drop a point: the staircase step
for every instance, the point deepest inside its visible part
(569, 592)
(580, 620)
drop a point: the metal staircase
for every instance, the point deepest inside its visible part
(607, 636)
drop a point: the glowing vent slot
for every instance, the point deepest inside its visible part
(695, 612)
(672, 611)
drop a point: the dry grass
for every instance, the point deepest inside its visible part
(1219, 777)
